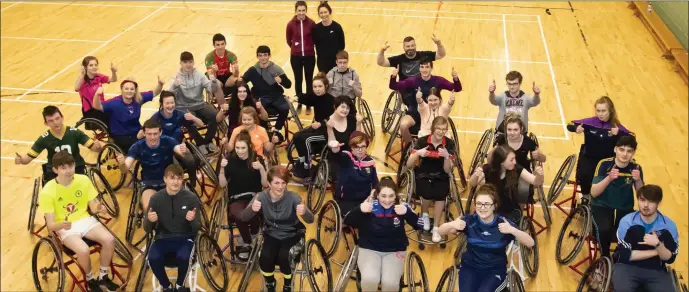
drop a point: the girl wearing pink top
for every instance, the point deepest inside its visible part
(434, 108)
(87, 84)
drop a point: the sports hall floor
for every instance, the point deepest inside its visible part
(43, 42)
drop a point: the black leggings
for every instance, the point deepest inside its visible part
(586, 168)
(304, 65)
(326, 63)
(125, 142)
(276, 252)
(207, 114)
(607, 220)
(308, 142)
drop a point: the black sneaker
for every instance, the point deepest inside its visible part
(93, 286)
(182, 289)
(270, 287)
(244, 252)
(108, 284)
(286, 288)
(169, 289)
(299, 171)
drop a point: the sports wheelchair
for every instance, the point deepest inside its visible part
(105, 160)
(598, 278)
(322, 174)
(49, 266)
(514, 282)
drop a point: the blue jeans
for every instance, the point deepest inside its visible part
(480, 280)
(179, 247)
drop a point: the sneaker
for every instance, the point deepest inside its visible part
(108, 284)
(270, 287)
(308, 110)
(436, 236)
(93, 285)
(203, 149)
(426, 222)
(212, 148)
(244, 252)
(288, 288)
(169, 289)
(299, 171)
(182, 289)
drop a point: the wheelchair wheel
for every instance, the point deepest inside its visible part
(135, 218)
(406, 183)
(33, 208)
(391, 111)
(318, 267)
(204, 165)
(294, 115)
(329, 226)
(461, 248)
(248, 281)
(347, 270)
(470, 206)
(109, 167)
(404, 156)
(292, 155)
(210, 258)
(218, 218)
(205, 219)
(481, 150)
(94, 128)
(141, 278)
(47, 266)
(514, 281)
(561, 179)
(447, 281)
(574, 231)
(597, 277)
(393, 136)
(544, 206)
(455, 199)
(105, 193)
(417, 280)
(367, 124)
(529, 254)
(319, 185)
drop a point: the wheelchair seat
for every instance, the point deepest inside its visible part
(89, 242)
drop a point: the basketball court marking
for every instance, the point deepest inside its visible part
(504, 35)
(50, 39)
(461, 58)
(94, 50)
(552, 75)
(8, 7)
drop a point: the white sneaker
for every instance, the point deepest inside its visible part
(436, 236)
(426, 222)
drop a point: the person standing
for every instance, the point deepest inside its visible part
(302, 53)
(328, 37)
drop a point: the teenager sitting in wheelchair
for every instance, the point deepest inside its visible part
(281, 210)
(259, 136)
(484, 263)
(503, 171)
(245, 169)
(382, 239)
(173, 213)
(240, 98)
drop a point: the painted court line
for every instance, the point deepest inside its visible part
(552, 75)
(463, 58)
(51, 39)
(16, 141)
(481, 119)
(94, 50)
(33, 161)
(8, 7)
(59, 103)
(504, 35)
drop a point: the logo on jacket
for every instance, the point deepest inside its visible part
(396, 221)
(485, 233)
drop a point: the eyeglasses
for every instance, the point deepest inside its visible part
(483, 205)
(360, 147)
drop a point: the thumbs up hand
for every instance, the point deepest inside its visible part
(536, 89)
(505, 227)
(651, 239)
(256, 165)
(278, 79)
(300, 209)
(99, 91)
(191, 214)
(454, 73)
(396, 71)
(419, 94)
(451, 100)
(17, 159)
(491, 87)
(256, 206)
(152, 215)
(367, 206)
(614, 131)
(400, 209)
(614, 172)
(636, 173)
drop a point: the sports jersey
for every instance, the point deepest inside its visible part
(382, 230)
(409, 86)
(223, 62)
(520, 104)
(357, 177)
(124, 118)
(632, 230)
(432, 166)
(70, 142)
(599, 143)
(410, 67)
(153, 160)
(69, 202)
(88, 90)
(258, 135)
(619, 194)
(172, 126)
(485, 244)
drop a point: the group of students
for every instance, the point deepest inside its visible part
(647, 240)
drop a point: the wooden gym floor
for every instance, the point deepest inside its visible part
(43, 43)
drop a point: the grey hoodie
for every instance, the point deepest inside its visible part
(339, 83)
(279, 217)
(189, 94)
(172, 212)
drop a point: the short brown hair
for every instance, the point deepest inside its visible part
(342, 55)
(61, 158)
(408, 39)
(358, 140)
(651, 193)
(248, 110)
(186, 56)
(488, 190)
(151, 123)
(300, 3)
(279, 172)
(174, 170)
(514, 75)
(439, 120)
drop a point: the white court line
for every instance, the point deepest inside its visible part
(51, 39)
(504, 35)
(8, 7)
(89, 4)
(462, 58)
(34, 161)
(481, 119)
(94, 50)
(61, 103)
(552, 75)
(48, 90)
(16, 141)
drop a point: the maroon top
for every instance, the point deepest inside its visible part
(299, 37)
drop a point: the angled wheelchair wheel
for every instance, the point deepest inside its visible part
(470, 207)
(135, 218)
(406, 183)
(367, 123)
(105, 193)
(561, 178)
(417, 280)
(204, 165)
(597, 277)
(218, 218)
(460, 177)
(573, 234)
(143, 270)
(250, 280)
(94, 128)
(123, 261)
(404, 156)
(292, 155)
(529, 254)
(319, 185)
(448, 281)
(482, 149)
(33, 208)
(514, 281)
(109, 167)
(544, 206)
(329, 226)
(395, 127)
(455, 199)
(47, 266)
(318, 267)
(205, 219)
(294, 115)
(223, 127)
(460, 248)
(209, 256)
(347, 270)
(391, 111)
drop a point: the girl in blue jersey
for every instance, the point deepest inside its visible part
(484, 264)
(382, 239)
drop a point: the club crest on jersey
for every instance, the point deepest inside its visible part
(396, 221)
(78, 194)
(70, 208)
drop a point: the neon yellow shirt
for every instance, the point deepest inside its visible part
(67, 202)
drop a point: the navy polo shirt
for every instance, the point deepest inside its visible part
(124, 118)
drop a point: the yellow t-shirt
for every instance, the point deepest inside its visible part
(69, 201)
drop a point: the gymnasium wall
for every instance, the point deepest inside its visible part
(676, 17)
